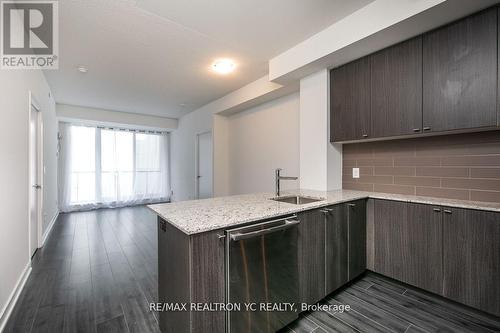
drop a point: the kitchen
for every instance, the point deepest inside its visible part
(300, 246)
(242, 166)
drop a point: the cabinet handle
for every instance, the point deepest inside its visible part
(427, 128)
(437, 210)
(326, 210)
(221, 237)
(416, 130)
(447, 211)
(351, 205)
(365, 135)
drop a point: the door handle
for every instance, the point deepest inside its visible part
(37, 187)
(239, 236)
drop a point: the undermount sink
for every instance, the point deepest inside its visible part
(296, 199)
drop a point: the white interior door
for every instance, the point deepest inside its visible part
(35, 184)
(204, 165)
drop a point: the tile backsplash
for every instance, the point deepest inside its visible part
(458, 166)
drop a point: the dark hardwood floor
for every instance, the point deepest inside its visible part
(98, 273)
(380, 304)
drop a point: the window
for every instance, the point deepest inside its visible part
(117, 165)
(83, 163)
(108, 167)
(148, 169)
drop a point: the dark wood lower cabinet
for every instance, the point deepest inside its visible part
(173, 276)
(449, 251)
(311, 258)
(345, 245)
(389, 238)
(424, 253)
(208, 284)
(190, 269)
(356, 214)
(336, 247)
(471, 246)
(408, 243)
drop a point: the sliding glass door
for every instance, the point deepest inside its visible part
(111, 168)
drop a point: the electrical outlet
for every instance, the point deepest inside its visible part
(355, 172)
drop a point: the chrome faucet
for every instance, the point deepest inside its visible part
(277, 179)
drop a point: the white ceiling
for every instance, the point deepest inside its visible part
(151, 56)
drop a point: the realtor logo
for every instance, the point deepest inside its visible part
(29, 34)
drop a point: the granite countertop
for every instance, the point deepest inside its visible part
(197, 216)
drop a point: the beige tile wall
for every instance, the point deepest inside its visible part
(459, 166)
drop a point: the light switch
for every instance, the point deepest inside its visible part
(355, 172)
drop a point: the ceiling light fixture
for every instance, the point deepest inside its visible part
(223, 66)
(82, 69)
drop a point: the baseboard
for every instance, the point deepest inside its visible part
(49, 229)
(14, 296)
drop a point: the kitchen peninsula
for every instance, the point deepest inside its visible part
(337, 237)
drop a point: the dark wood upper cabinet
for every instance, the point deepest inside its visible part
(356, 212)
(350, 101)
(444, 80)
(471, 253)
(396, 89)
(460, 74)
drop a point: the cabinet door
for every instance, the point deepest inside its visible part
(471, 258)
(207, 280)
(336, 247)
(356, 212)
(389, 237)
(396, 89)
(311, 256)
(350, 101)
(408, 243)
(423, 250)
(173, 276)
(460, 74)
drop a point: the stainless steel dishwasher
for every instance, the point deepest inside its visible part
(261, 268)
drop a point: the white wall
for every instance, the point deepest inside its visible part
(320, 161)
(183, 153)
(210, 117)
(50, 129)
(14, 108)
(260, 140)
(221, 155)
